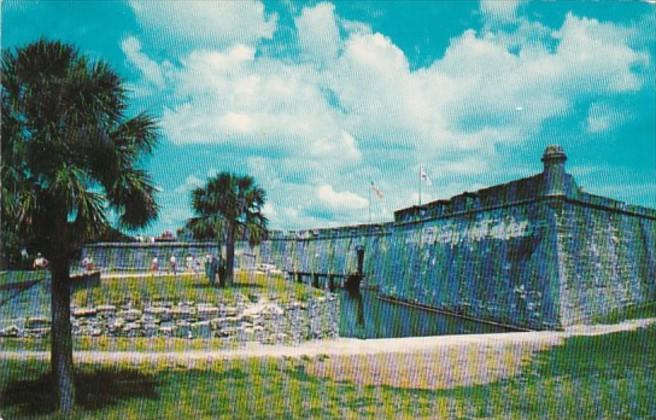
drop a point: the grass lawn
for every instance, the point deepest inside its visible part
(190, 287)
(612, 376)
(18, 279)
(645, 310)
(143, 344)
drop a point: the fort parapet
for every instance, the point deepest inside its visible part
(536, 252)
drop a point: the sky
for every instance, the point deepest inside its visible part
(317, 100)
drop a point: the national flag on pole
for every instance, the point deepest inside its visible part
(424, 176)
(375, 189)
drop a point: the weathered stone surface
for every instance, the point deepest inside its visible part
(206, 312)
(201, 329)
(167, 331)
(261, 321)
(37, 322)
(116, 325)
(161, 313)
(37, 332)
(106, 309)
(150, 330)
(130, 315)
(84, 312)
(183, 329)
(10, 331)
(183, 312)
(230, 311)
(131, 329)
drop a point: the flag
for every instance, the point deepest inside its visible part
(424, 176)
(378, 192)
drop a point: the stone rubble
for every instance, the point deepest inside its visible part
(247, 319)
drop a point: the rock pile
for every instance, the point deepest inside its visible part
(268, 320)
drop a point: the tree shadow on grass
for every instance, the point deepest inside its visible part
(17, 286)
(234, 373)
(246, 286)
(234, 286)
(95, 390)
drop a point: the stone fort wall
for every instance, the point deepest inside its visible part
(606, 257)
(115, 256)
(536, 252)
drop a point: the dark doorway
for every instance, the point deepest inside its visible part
(360, 251)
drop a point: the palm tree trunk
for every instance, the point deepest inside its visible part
(61, 342)
(220, 264)
(230, 255)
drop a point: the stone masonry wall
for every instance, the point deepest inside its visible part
(138, 256)
(266, 321)
(536, 252)
(330, 251)
(607, 260)
(497, 265)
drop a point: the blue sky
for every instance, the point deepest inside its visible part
(318, 99)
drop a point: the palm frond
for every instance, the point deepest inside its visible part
(68, 152)
(235, 201)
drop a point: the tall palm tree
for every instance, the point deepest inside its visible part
(229, 207)
(69, 157)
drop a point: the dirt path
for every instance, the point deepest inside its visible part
(418, 362)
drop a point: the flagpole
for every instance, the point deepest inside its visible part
(370, 186)
(420, 170)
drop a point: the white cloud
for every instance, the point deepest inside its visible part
(340, 200)
(342, 145)
(189, 184)
(500, 10)
(601, 54)
(468, 100)
(269, 210)
(150, 70)
(602, 117)
(210, 24)
(364, 113)
(229, 97)
(318, 34)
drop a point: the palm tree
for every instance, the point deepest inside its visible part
(69, 157)
(229, 207)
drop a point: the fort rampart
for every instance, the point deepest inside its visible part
(536, 252)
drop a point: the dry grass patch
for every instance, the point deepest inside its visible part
(440, 368)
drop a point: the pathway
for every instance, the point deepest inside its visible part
(419, 362)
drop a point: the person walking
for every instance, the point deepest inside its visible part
(210, 268)
(196, 265)
(189, 263)
(40, 263)
(154, 264)
(172, 264)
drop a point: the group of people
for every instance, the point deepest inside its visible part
(172, 268)
(192, 265)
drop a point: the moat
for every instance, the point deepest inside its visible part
(364, 315)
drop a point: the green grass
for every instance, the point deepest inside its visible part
(645, 310)
(611, 376)
(141, 344)
(190, 287)
(9, 279)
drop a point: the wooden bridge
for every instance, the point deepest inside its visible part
(331, 281)
(328, 280)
